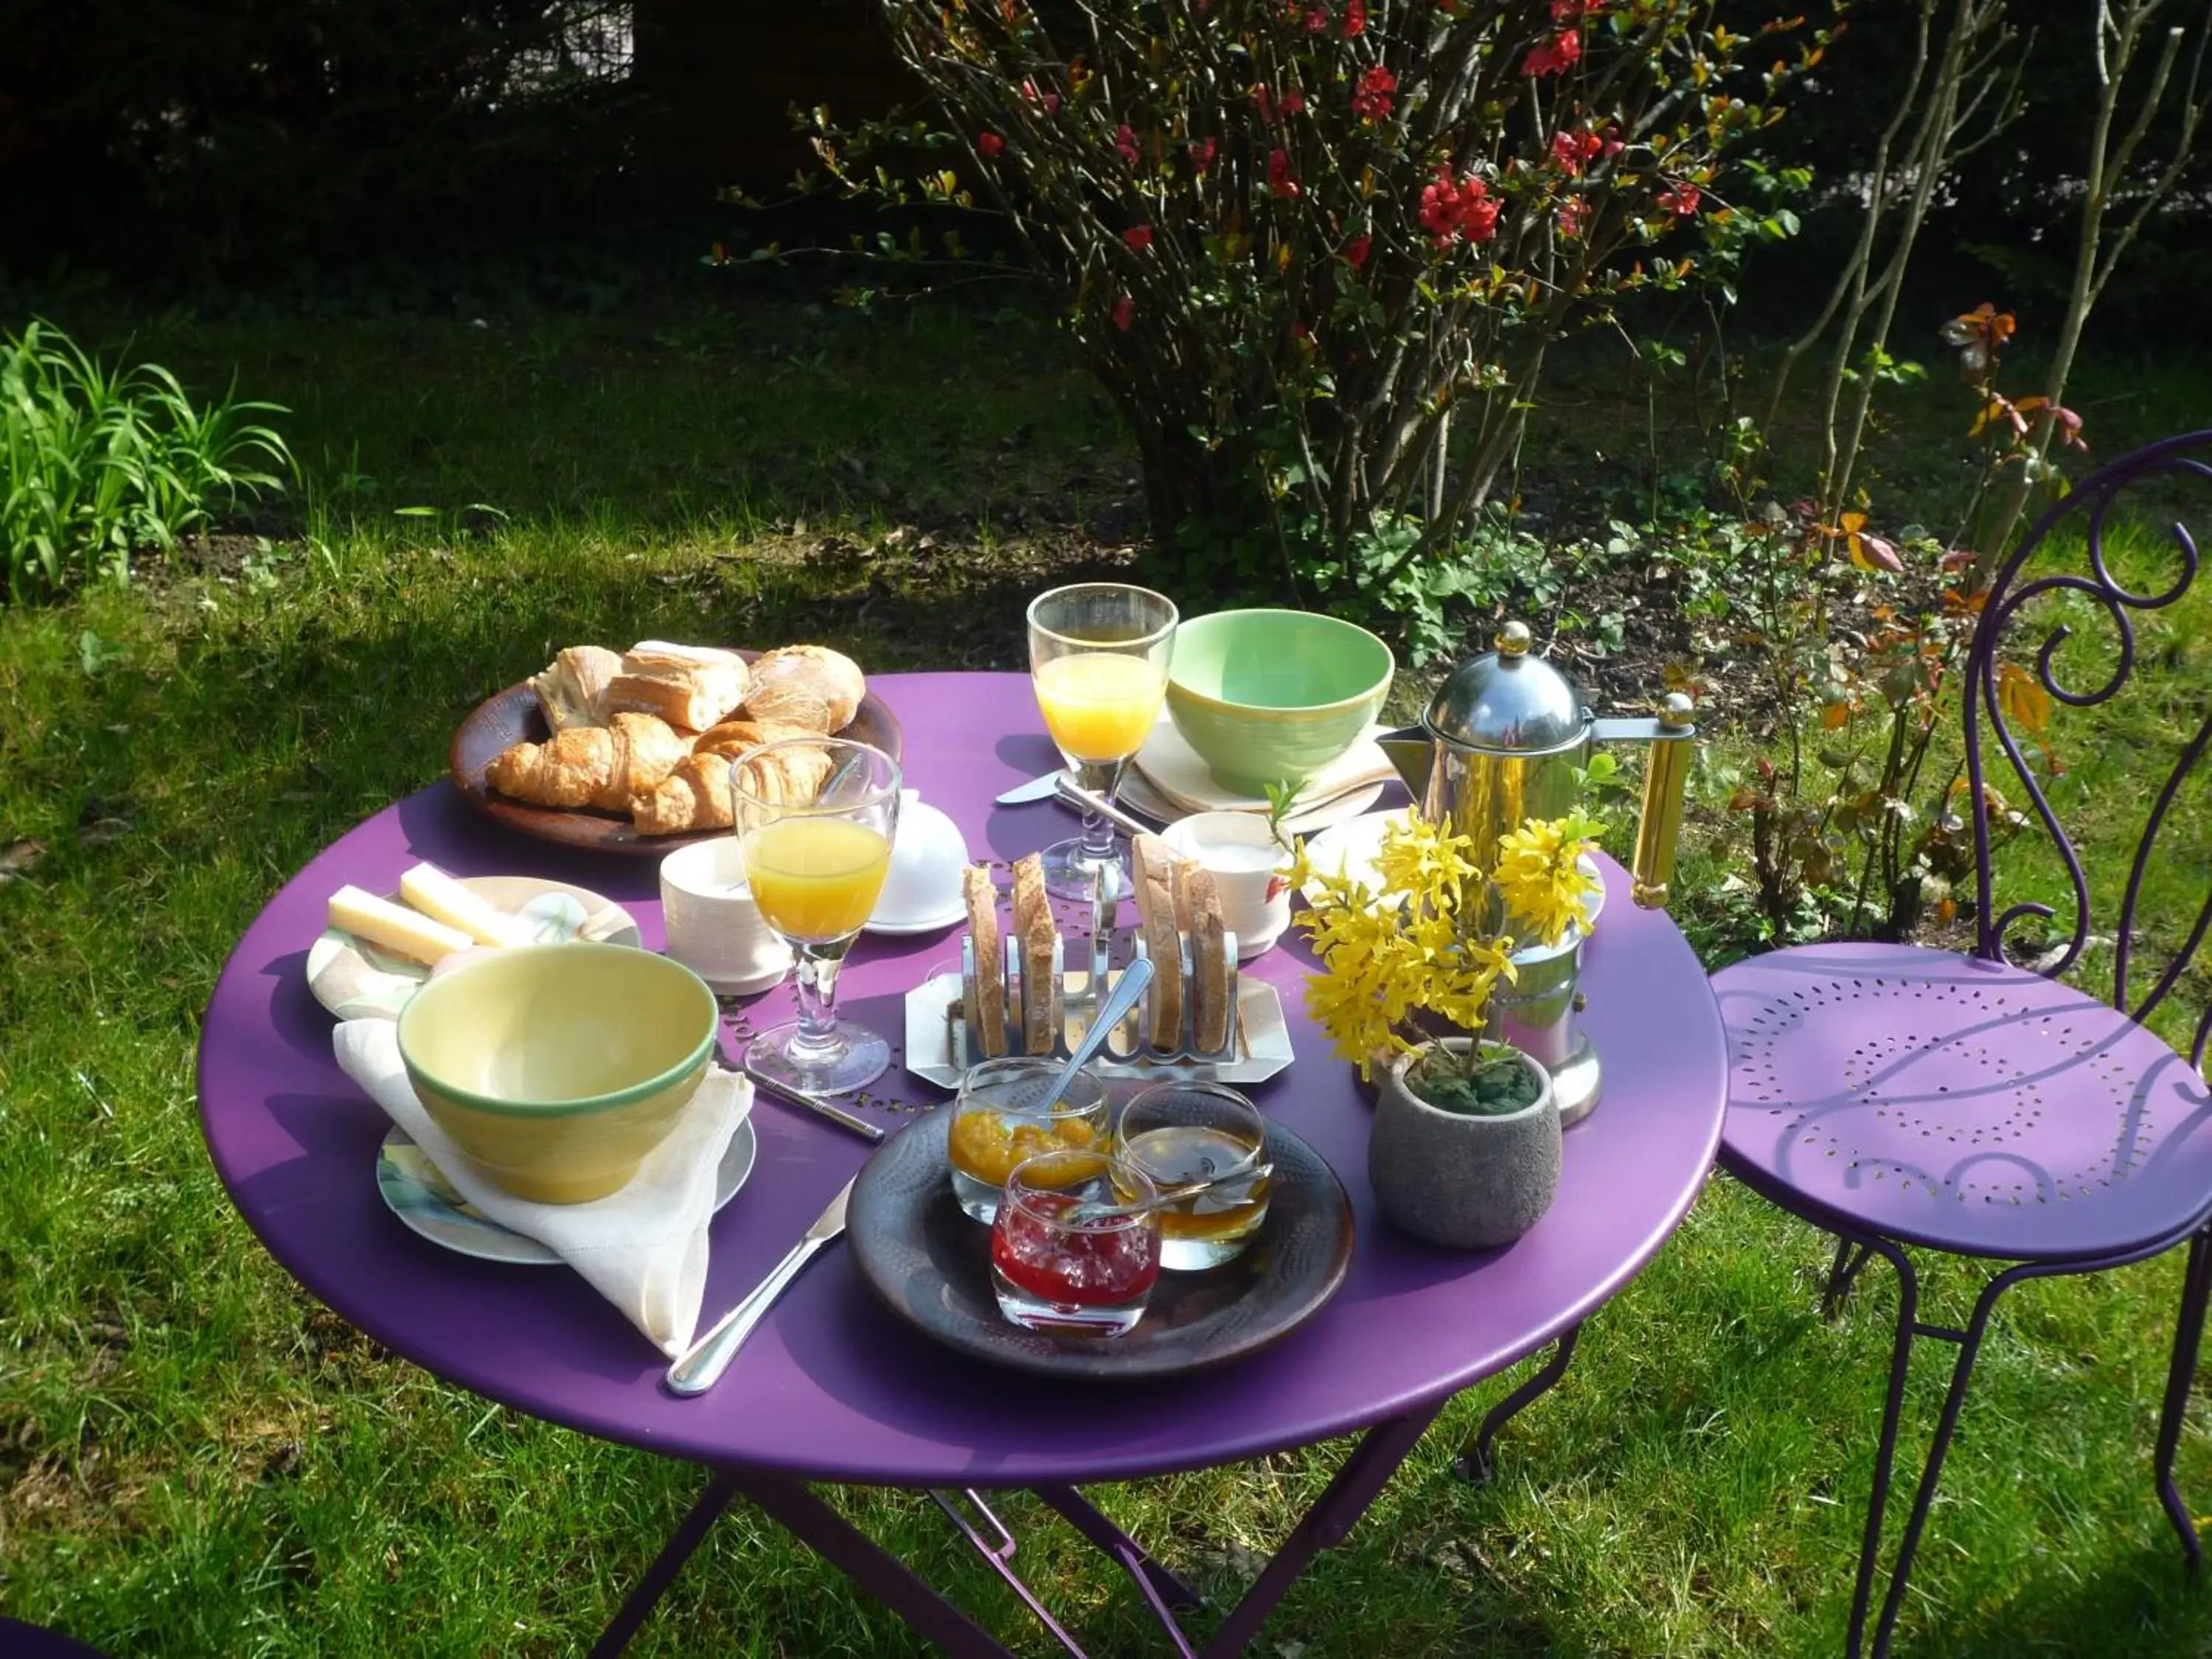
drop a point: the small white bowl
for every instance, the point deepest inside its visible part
(921, 893)
(714, 926)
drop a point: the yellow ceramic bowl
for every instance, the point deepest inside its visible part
(557, 1067)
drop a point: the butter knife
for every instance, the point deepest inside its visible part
(815, 1103)
(701, 1365)
(1036, 789)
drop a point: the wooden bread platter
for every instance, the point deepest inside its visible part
(512, 716)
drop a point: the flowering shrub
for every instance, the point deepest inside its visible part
(1316, 249)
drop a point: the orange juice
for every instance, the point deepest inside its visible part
(816, 879)
(1100, 705)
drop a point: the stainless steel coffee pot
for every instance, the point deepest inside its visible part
(1504, 740)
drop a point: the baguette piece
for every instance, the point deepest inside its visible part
(691, 686)
(1156, 914)
(1033, 938)
(987, 1015)
(572, 691)
(1209, 950)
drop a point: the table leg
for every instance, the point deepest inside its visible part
(673, 1554)
(1475, 1463)
(1372, 1462)
(882, 1575)
(872, 1568)
(1084, 1515)
(1001, 1555)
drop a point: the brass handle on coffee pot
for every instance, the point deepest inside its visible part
(1666, 770)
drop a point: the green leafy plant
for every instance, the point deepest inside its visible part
(96, 463)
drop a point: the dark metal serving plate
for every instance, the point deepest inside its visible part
(931, 1266)
(512, 716)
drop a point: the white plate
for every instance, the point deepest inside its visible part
(1142, 796)
(416, 1191)
(951, 918)
(355, 980)
(1259, 1015)
(1179, 775)
(1352, 846)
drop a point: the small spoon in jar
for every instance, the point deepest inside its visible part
(1081, 1215)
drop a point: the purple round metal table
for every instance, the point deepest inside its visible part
(830, 1389)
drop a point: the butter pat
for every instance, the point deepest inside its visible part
(395, 928)
(442, 899)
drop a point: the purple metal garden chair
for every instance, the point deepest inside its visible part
(1900, 1097)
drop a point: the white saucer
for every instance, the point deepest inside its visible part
(414, 1190)
(937, 924)
(723, 985)
(355, 980)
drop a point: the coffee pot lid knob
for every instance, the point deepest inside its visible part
(1511, 702)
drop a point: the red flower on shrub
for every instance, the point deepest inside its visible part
(1294, 101)
(1316, 19)
(1049, 99)
(1264, 101)
(1122, 310)
(1201, 156)
(1568, 11)
(1371, 98)
(1139, 237)
(1280, 182)
(1454, 208)
(1574, 150)
(1555, 56)
(1125, 141)
(1574, 214)
(990, 143)
(1681, 200)
(1355, 18)
(1355, 251)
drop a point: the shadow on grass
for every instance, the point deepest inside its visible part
(2143, 1589)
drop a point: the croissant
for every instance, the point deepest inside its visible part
(697, 795)
(590, 765)
(733, 737)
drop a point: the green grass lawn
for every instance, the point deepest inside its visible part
(195, 1458)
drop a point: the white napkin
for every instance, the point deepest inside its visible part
(643, 1247)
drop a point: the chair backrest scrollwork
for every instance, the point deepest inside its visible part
(2060, 575)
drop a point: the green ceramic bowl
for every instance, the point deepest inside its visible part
(1269, 697)
(557, 1067)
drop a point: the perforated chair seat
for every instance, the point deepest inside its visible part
(1958, 1103)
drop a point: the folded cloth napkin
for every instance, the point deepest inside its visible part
(644, 1247)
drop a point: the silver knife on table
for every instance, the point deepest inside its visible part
(701, 1365)
(1036, 789)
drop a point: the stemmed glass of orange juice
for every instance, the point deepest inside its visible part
(815, 865)
(1098, 659)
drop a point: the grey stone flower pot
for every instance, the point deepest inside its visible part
(1466, 1182)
